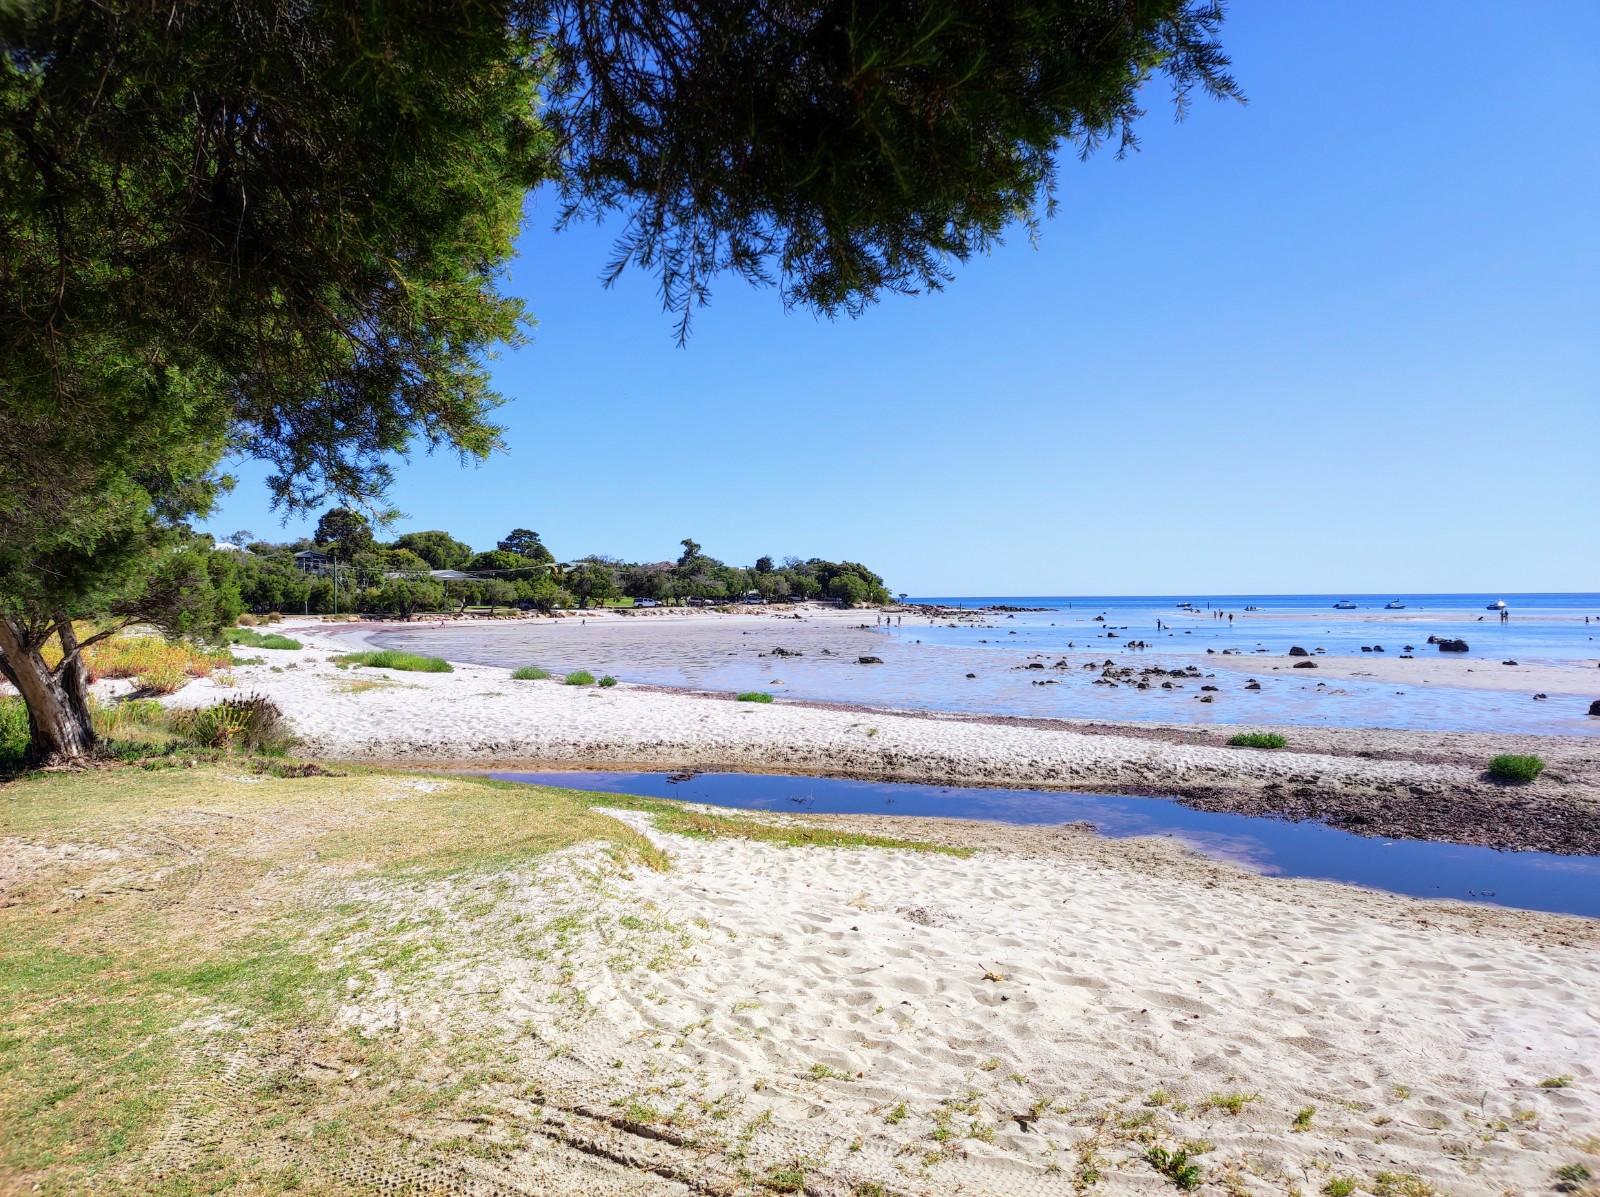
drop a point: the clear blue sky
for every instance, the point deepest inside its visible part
(1344, 337)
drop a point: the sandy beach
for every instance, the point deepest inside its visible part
(1427, 785)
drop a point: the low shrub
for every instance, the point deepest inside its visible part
(388, 658)
(754, 696)
(253, 723)
(529, 673)
(273, 617)
(118, 718)
(252, 639)
(579, 677)
(1181, 1171)
(13, 732)
(606, 682)
(246, 620)
(1257, 740)
(1515, 770)
(162, 679)
(133, 656)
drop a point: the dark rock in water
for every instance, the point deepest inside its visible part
(972, 675)
(1208, 687)
(1205, 698)
(1508, 662)
(1452, 646)
(1366, 648)
(1409, 649)
(1035, 664)
(787, 652)
(1297, 651)
(1377, 648)
(1431, 640)
(1252, 684)
(1594, 708)
(1540, 695)
(1305, 664)
(869, 660)
(1098, 619)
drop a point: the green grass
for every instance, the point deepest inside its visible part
(579, 677)
(1176, 1166)
(1257, 740)
(251, 638)
(674, 817)
(1516, 770)
(388, 658)
(13, 733)
(1340, 1186)
(529, 673)
(606, 682)
(754, 696)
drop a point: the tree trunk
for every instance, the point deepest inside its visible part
(74, 674)
(59, 727)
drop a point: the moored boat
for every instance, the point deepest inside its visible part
(1344, 605)
(1497, 605)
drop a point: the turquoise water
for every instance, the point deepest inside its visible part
(1420, 868)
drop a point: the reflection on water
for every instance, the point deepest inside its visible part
(1424, 869)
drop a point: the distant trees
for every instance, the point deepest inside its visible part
(525, 542)
(439, 549)
(344, 533)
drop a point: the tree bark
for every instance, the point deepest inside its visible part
(60, 729)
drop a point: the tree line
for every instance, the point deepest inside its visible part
(395, 577)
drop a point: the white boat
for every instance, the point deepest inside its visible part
(1497, 605)
(1252, 608)
(1396, 605)
(1344, 605)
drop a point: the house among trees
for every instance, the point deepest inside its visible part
(309, 561)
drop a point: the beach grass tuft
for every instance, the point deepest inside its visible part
(606, 682)
(1257, 740)
(754, 696)
(529, 673)
(579, 677)
(388, 658)
(1514, 769)
(253, 639)
(1176, 1166)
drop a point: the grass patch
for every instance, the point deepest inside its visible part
(754, 696)
(680, 820)
(388, 658)
(1229, 1103)
(529, 673)
(213, 935)
(1514, 769)
(578, 677)
(1555, 1082)
(606, 682)
(1256, 740)
(1181, 1172)
(1340, 1186)
(253, 639)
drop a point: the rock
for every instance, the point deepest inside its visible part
(1540, 695)
(1035, 664)
(1208, 687)
(1451, 646)
(1252, 684)
(1366, 648)
(1305, 664)
(1297, 651)
(972, 675)
(1205, 698)
(1594, 709)
(869, 660)
(787, 652)
(1508, 662)
(1377, 648)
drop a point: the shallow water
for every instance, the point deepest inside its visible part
(1420, 868)
(926, 664)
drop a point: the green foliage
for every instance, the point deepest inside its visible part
(1176, 1166)
(439, 549)
(1340, 1186)
(524, 542)
(579, 677)
(529, 673)
(754, 696)
(1515, 770)
(252, 723)
(344, 533)
(388, 658)
(253, 639)
(13, 733)
(606, 682)
(1257, 740)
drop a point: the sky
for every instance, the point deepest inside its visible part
(1343, 337)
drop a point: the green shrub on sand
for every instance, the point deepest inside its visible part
(606, 682)
(388, 658)
(754, 696)
(1515, 770)
(254, 639)
(579, 677)
(1257, 740)
(529, 673)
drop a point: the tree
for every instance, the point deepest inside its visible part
(274, 229)
(593, 580)
(690, 554)
(763, 565)
(507, 565)
(525, 542)
(439, 549)
(344, 533)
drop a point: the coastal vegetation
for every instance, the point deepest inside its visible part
(755, 696)
(280, 233)
(579, 677)
(388, 658)
(1257, 740)
(529, 673)
(1515, 769)
(254, 639)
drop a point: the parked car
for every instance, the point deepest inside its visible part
(645, 603)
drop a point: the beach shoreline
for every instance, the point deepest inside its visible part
(1422, 785)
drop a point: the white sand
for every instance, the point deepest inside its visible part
(756, 1009)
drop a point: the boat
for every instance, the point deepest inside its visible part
(1344, 605)
(1394, 605)
(1252, 608)
(1497, 605)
